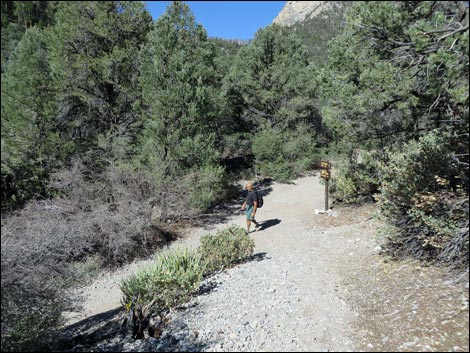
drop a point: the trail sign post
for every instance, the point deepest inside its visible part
(325, 173)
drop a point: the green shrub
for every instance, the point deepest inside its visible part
(205, 186)
(167, 283)
(358, 179)
(87, 270)
(226, 247)
(423, 196)
(284, 155)
(175, 274)
(344, 189)
(414, 170)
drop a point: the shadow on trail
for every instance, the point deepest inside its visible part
(91, 321)
(269, 223)
(91, 330)
(111, 332)
(236, 195)
(256, 257)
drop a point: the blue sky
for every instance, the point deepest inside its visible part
(227, 19)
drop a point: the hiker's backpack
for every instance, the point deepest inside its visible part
(260, 200)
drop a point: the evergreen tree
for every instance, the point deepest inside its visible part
(30, 138)
(93, 47)
(398, 77)
(273, 78)
(316, 32)
(398, 70)
(271, 89)
(182, 99)
(17, 16)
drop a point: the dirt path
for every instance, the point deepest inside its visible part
(320, 285)
(292, 299)
(301, 198)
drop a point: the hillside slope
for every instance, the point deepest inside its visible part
(315, 22)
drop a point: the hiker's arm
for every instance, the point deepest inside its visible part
(255, 206)
(243, 206)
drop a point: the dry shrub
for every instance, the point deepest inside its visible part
(111, 215)
(115, 214)
(424, 197)
(187, 194)
(33, 277)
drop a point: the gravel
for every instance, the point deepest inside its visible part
(316, 283)
(288, 300)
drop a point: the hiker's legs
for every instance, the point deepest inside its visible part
(248, 212)
(249, 219)
(248, 224)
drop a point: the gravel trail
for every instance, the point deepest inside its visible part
(316, 283)
(289, 300)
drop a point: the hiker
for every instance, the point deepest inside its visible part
(251, 204)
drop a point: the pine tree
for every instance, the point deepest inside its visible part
(17, 16)
(30, 138)
(180, 92)
(271, 89)
(273, 78)
(397, 70)
(398, 79)
(93, 47)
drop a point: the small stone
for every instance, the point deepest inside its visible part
(127, 346)
(331, 213)
(153, 340)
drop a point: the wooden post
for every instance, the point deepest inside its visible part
(325, 174)
(326, 195)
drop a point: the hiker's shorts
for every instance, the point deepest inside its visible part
(249, 211)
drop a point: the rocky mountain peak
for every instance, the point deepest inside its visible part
(297, 11)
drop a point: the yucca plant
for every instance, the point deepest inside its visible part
(166, 283)
(175, 274)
